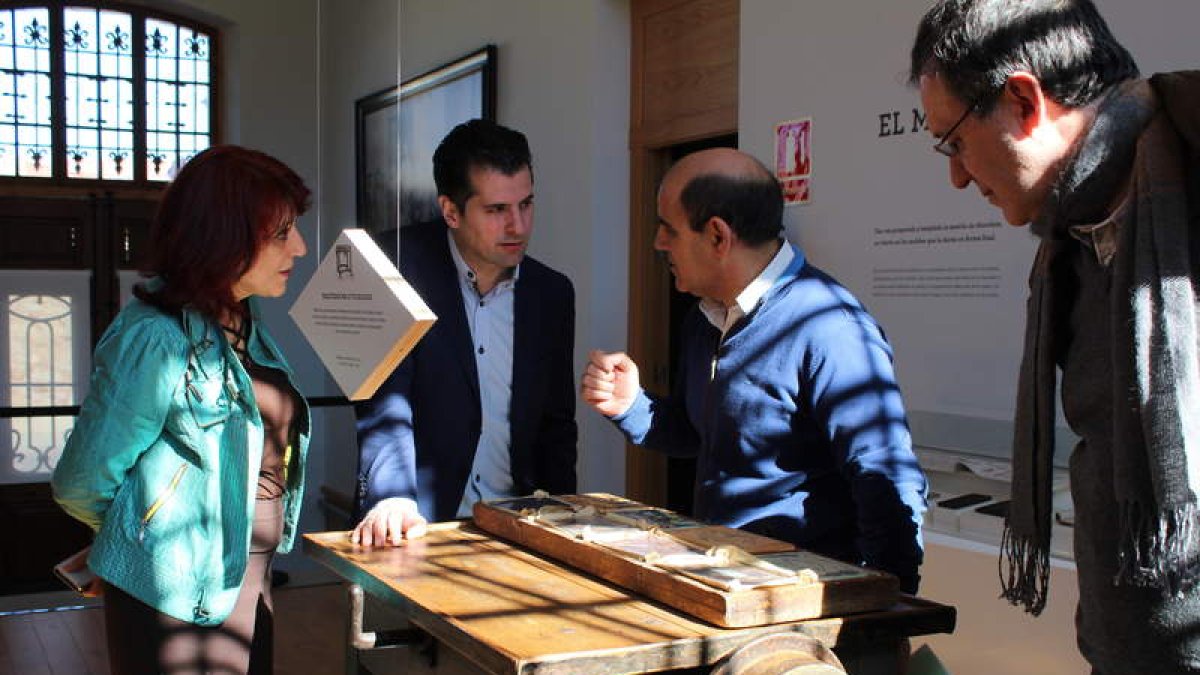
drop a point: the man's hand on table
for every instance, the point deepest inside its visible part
(389, 523)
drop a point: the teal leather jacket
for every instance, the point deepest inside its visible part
(164, 458)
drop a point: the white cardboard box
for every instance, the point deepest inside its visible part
(361, 317)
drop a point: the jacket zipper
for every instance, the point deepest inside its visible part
(162, 499)
(287, 464)
(200, 611)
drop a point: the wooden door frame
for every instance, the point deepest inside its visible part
(701, 68)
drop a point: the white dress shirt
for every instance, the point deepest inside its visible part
(724, 317)
(490, 320)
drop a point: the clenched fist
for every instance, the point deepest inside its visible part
(610, 382)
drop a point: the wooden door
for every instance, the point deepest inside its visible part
(65, 258)
(685, 80)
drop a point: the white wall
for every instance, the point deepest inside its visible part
(359, 56)
(845, 65)
(956, 357)
(562, 80)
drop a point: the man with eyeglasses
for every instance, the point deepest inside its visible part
(1038, 105)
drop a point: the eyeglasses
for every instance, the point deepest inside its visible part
(945, 146)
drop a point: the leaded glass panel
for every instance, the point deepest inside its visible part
(193, 108)
(193, 63)
(99, 92)
(116, 45)
(25, 92)
(177, 97)
(40, 373)
(8, 156)
(161, 38)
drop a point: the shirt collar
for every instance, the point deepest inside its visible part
(467, 275)
(724, 317)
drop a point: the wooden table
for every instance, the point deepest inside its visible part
(510, 612)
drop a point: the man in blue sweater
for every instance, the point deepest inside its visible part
(786, 393)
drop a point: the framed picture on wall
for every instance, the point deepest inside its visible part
(396, 132)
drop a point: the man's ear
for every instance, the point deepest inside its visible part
(719, 235)
(1023, 95)
(450, 212)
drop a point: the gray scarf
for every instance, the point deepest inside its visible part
(1156, 406)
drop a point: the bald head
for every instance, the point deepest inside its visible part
(731, 185)
(724, 162)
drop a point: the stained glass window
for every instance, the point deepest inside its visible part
(25, 131)
(99, 100)
(117, 65)
(177, 96)
(41, 374)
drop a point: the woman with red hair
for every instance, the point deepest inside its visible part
(187, 458)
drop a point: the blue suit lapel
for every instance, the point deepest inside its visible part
(447, 303)
(527, 341)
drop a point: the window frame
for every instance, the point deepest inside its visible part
(60, 183)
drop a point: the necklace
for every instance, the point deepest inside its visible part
(238, 336)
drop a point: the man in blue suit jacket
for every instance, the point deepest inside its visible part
(483, 407)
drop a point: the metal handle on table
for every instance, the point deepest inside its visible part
(377, 639)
